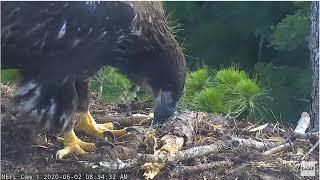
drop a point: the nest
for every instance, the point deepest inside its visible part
(192, 145)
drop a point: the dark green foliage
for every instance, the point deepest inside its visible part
(115, 87)
(290, 88)
(221, 33)
(197, 81)
(246, 33)
(175, 26)
(292, 30)
(247, 87)
(230, 76)
(243, 95)
(210, 100)
(229, 91)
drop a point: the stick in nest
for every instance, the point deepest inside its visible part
(181, 170)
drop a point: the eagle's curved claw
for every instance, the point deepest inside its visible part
(72, 144)
(90, 127)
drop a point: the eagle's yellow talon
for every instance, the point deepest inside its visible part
(105, 126)
(72, 144)
(90, 127)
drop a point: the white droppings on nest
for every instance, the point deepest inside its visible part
(63, 29)
(150, 19)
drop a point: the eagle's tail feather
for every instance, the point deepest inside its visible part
(45, 105)
(38, 106)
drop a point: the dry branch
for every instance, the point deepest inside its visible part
(312, 149)
(251, 143)
(277, 149)
(176, 133)
(181, 170)
(191, 153)
(299, 132)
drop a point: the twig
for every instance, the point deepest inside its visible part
(250, 143)
(278, 149)
(299, 132)
(237, 168)
(181, 170)
(191, 153)
(312, 149)
(304, 135)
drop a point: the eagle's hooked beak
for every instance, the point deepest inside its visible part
(165, 106)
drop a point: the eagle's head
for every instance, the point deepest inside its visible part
(163, 73)
(166, 80)
(153, 58)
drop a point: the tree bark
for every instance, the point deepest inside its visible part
(314, 58)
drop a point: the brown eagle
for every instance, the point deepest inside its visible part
(57, 46)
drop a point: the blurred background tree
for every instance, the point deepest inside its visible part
(314, 61)
(266, 41)
(269, 40)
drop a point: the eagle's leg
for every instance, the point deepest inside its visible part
(72, 144)
(87, 123)
(90, 127)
